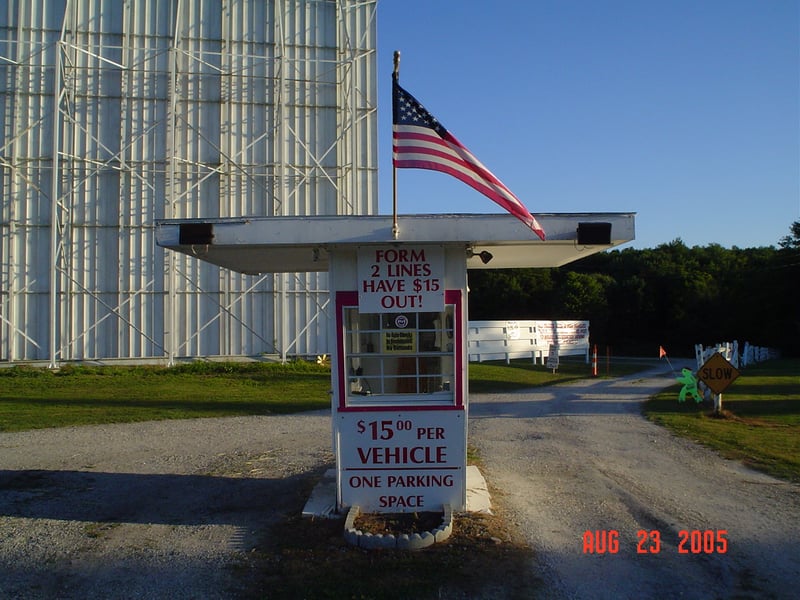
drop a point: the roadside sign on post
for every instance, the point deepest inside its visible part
(552, 357)
(717, 373)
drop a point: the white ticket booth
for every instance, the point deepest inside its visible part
(400, 400)
(400, 413)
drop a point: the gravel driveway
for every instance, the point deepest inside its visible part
(580, 457)
(172, 508)
(165, 509)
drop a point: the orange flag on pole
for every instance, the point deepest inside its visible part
(661, 352)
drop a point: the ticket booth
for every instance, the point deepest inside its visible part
(400, 398)
(399, 413)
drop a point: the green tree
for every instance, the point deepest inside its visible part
(584, 296)
(670, 295)
(787, 287)
(510, 294)
(791, 241)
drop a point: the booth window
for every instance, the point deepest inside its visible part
(391, 356)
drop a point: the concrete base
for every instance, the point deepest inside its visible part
(478, 498)
(322, 502)
(380, 541)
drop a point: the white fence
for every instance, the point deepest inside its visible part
(504, 340)
(730, 350)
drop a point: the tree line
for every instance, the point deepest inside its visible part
(671, 295)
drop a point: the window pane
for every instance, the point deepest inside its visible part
(396, 354)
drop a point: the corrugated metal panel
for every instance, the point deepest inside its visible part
(28, 32)
(198, 108)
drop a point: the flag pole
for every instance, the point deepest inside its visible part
(395, 227)
(663, 354)
(670, 365)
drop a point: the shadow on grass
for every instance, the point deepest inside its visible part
(782, 367)
(762, 408)
(667, 403)
(220, 407)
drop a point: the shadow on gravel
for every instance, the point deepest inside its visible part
(280, 555)
(617, 396)
(145, 498)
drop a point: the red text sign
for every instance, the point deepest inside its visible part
(402, 461)
(400, 279)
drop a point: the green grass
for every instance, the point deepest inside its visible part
(33, 398)
(760, 422)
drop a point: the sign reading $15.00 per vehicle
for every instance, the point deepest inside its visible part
(402, 461)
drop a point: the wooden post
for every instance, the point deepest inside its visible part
(717, 403)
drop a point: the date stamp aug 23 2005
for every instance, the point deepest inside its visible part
(649, 541)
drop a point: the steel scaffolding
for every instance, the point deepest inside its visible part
(115, 114)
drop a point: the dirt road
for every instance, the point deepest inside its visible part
(172, 509)
(580, 458)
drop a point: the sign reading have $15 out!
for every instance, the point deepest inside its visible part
(400, 279)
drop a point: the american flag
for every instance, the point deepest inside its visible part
(419, 141)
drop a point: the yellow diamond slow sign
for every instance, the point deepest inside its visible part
(717, 373)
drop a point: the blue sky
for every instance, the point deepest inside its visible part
(684, 112)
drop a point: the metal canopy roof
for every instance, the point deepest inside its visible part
(302, 244)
